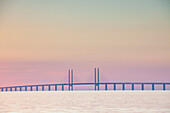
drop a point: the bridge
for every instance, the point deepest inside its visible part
(96, 84)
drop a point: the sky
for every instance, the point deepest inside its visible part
(40, 40)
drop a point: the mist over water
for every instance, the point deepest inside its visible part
(85, 102)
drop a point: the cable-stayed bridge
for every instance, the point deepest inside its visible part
(96, 84)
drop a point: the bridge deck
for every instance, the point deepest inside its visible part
(101, 83)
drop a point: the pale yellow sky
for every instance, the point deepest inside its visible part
(58, 31)
(25, 42)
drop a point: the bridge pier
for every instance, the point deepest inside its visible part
(6, 89)
(2, 89)
(36, 88)
(42, 87)
(142, 86)
(114, 86)
(132, 86)
(62, 87)
(15, 88)
(20, 88)
(49, 88)
(72, 87)
(10, 88)
(30, 88)
(123, 86)
(105, 86)
(153, 86)
(25, 88)
(164, 87)
(56, 88)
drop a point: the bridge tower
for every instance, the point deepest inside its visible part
(72, 80)
(98, 77)
(69, 79)
(95, 79)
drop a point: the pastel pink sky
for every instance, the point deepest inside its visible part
(41, 40)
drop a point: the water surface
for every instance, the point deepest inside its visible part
(85, 102)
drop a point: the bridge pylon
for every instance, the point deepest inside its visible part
(96, 78)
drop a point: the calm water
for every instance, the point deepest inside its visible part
(85, 102)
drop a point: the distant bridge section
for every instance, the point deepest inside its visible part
(96, 84)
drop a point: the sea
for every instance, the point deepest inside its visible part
(85, 102)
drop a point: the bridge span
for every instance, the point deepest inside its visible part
(96, 84)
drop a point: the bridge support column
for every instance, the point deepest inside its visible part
(2, 89)
(49, 88)
(30, 88)
(105, 86)
(36, 88)
(6, 89)
(15, 88)
(42, 87)
(11, 89)
(114, 86)
(62, 87)
(123, 86)
(20, 88)
(25, 88)
(72, 87)
(132, 86)
(164, 87)
(142, 86)
(152, 86)
(56, 87)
